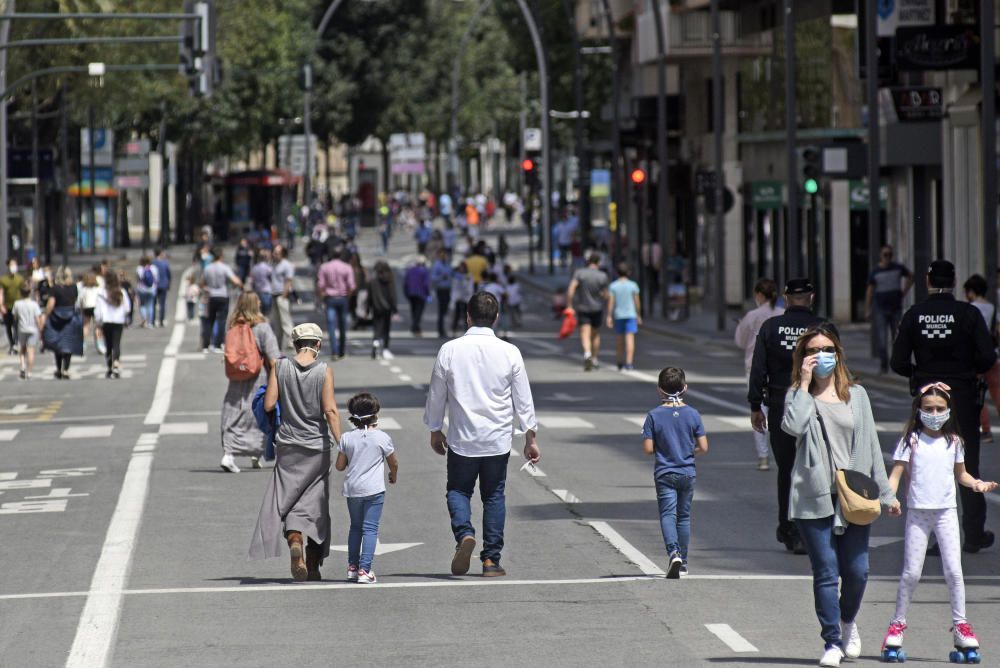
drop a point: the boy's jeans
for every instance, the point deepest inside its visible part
(674, 492)
(365, 512)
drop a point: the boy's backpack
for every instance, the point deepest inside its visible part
(147, 277)
(243, 360)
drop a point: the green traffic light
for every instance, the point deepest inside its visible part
(812, 186)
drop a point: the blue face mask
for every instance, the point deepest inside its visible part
(825, 364)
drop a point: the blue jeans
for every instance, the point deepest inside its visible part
(365, 512)
(834, 559)
(266, 299)
(336, 321)
(492, 475)
(160, 308)
(884, 326)
(146, 306)
(674, 492)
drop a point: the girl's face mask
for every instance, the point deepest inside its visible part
(934, 421)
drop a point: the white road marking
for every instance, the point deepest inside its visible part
(695, 394)
(733, 640)
(383, 363)
(630, 552)
(418, 387)
(99, 621)
(191, 357)
(144, 448)
(533, 471)
(8, 434)
(164, 389)
(388, 423)
(405, 378)
(100, 431)
(183, 428)
(566, 496)
(176, 338)
(638, 421)
(396, 369)
(563, 422)
(380, 547)
(140, 357)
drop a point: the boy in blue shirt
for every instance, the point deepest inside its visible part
(624, 315)
(675, 435)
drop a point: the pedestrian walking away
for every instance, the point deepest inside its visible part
(10, 292)
(281, 289)
(765, 295)
(363, 455)
(831, 420)
(88, 289)
(335, 282)
(417, 289)
(770, 374)
(975, 294)
(63, 333)
(888, 283)
(441, 280)
(164, 276)
(146, 285)
(674, 434)
(481, 384)
(296, 504)
(28, 319)
(586, 297)
(945, 340)
(462, 289)
(931, 455)
(260, 280)
(215, 280)
(244, 257)
(383, 306)
(251, 351)
(624, 315)
(111, 314)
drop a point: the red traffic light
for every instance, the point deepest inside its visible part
(528, 164)
(638, 176)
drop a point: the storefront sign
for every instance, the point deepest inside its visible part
(918, 103)
(944, 47)
(859, 195)
(893, 14)
(766, 195)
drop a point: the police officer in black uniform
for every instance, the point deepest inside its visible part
(770, 377)
(942, 339)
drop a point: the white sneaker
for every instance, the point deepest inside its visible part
(832, 657)
(368, 578)
(229, 464)
(387, 354)
(352, 573)
(255, 463)
(851, 638)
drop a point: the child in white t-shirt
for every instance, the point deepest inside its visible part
(28, 316)
(363, 453)
(931, 454)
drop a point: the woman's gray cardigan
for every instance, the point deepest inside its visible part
(810, 497)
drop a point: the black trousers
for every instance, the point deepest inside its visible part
(443, 296)
(381, 321)
(459, 316)
(10, 325)
(112, 342)
(783, 447)
(218, 311)
(417, 305)
(965, 403)
(62, 361)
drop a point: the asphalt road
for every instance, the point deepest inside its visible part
(125, 544)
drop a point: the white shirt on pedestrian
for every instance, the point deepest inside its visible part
(931, 471)
(481, 382)
(105, 311)
(749, 326)
(366, 450)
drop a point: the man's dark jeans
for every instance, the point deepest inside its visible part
(160, 306)
(492, 474)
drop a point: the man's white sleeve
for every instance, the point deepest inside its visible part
(437, 396)
(524, 405)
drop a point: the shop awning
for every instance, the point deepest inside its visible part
(263, 177)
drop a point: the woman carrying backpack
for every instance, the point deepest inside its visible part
(251, 350)
(146, 286)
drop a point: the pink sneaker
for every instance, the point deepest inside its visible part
(352, 573)
(894, 636)
(965, 638)
(366, 577)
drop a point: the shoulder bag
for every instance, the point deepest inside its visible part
(857, 494)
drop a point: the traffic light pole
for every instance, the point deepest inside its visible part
(667, 234)
(720, 178)
(874, 187)
(988, 142)
(793, 238)
(618, 189)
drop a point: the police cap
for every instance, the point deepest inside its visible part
(942, 269)
(799, 286)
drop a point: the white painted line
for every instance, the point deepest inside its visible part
(637, 421)
(618, 541)
(406, 379)
(8, 434)
(418, 387)
(566, 496)
(563, 422)
(388, 424)
(183, 428)
(383, 363)
(733, 640)
(98, 625)
(695, 394)
(140, 357)
(164, 389)
(144, 448)
(396, 369)
(176, 338)
(191, 357)
(380, 547)
(101, 431)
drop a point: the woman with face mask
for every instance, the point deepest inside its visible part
(831, 419)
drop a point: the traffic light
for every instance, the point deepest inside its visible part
(198, 61)
(530, 168)
(528, 165)
(637, 176)
(809, 161)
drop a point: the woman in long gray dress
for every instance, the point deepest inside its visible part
(297, 499)
(240, 435)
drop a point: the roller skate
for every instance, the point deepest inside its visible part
(966, 645)
(892, 645)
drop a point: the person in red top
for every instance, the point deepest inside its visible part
(334, 285)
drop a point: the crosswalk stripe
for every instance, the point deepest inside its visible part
(8, 434)
(563, 422)
(733, 640)
(183, 428)
(99, 431)
(388, 424)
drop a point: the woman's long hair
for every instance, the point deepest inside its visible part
(113, 289)
(247, 311)
(767, 288)
(914, 425)
(64, 276)
(841, 376)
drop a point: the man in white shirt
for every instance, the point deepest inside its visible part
(481, 382)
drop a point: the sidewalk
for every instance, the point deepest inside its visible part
(700, 326)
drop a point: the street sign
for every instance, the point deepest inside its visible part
(893, 14)
(137, 148)
(292, 153)
(532, 139)
(918, 103)
(766, 195)
(132, 165)
(131, 181)
(407, 153)
(600, 183)
(858, 195)
(104, 142)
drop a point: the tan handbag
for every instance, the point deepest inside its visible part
(857, 494)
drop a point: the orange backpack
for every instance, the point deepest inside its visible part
(243, 360)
